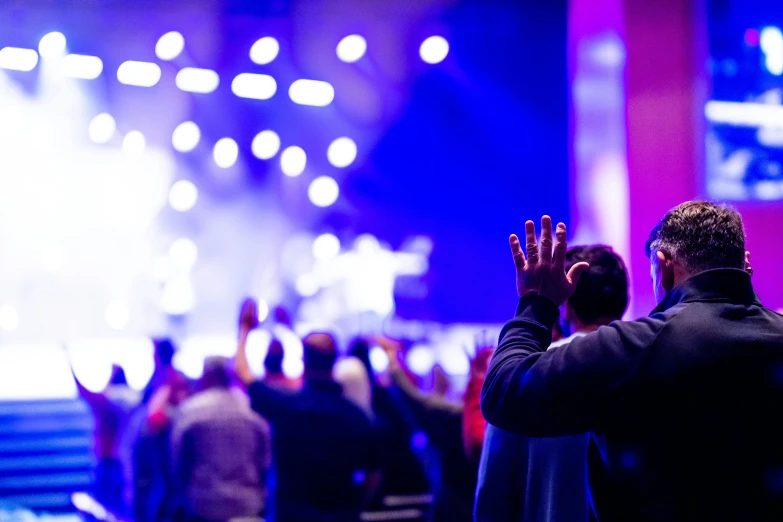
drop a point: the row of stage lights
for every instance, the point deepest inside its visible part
(198, 80)
(323, 191)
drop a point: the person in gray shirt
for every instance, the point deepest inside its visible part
(221, 451)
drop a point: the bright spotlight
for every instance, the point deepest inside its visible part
(311, 92)
(771, 42)
(192, 79)
(434, 49)
(52, 45)
(9, 319)
(307, 285)
(293, 161)
(185, 137)
(264, 50)
(82, 66)
(420, 359)
(378, 359)
(17, 59)
(117, 315)
(323, 191)
(341, 152)
(226, 152)
(183, 253)
(265, 145)
(254, 86)
(169, 46)
(102, 128)
(263, 310)
(134, 143)
(326, 247)
(139, 74)
(183, 195)
(351, 48)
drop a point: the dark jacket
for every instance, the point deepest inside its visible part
(683, 405)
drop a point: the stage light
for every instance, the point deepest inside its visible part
(178, 297)
(772, 45)
(9, 318)
(326, 247)
(169, 46)
(183, 253)
(307, 285)
(138, 74)
(263, 310)
(225, 152)
(378, 359)
(293, 161)
(102, 128)
(17, 59)
(183, 195)
(311, 92)
(264, 50)
(351, 48)
(192, 79)
(117, 315)
(134, 143)
(293, 368)
(265, 145)
(341, 152)
(185, 137)
(454, 360)
(420, 359)
(323, 191)
(434, 49)
(254, 86)
(52, 45)
(82, 66)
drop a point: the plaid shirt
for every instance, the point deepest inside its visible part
(221, 451)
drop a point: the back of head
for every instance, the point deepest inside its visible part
(602, 293)
(360, 349)
(164, 351)
(215, 373)
(320, 353)
(700, 236)
(273, 362)
(118, 376)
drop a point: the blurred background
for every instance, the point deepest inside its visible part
(354, 165)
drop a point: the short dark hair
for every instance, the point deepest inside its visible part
(700, 236)
(602, 292)
(273, 362)
(164, 349)
(320, 352)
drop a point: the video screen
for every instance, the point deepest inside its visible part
(744, 139)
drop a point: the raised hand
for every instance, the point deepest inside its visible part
(248, 316)
(543, 272)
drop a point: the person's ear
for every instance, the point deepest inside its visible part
(748, 268)
(666, 266)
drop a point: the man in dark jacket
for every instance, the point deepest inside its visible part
(679, 404)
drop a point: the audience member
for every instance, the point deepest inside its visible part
(324, 446)
(473, 423)
(273, 368)
(441, 421)
(402, 472)
(221, 451)
(111, 410)
(524, 479)
(678, 403)
(155, 494)
(164, 371)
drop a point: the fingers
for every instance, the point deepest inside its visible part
(576, 272)
(546, 239)
(561, 246)
(516, 251)
(531, 245)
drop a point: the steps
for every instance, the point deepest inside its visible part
(45, 453)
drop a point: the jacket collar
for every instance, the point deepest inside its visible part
(729, 285)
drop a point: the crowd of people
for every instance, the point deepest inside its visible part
(576, 415)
